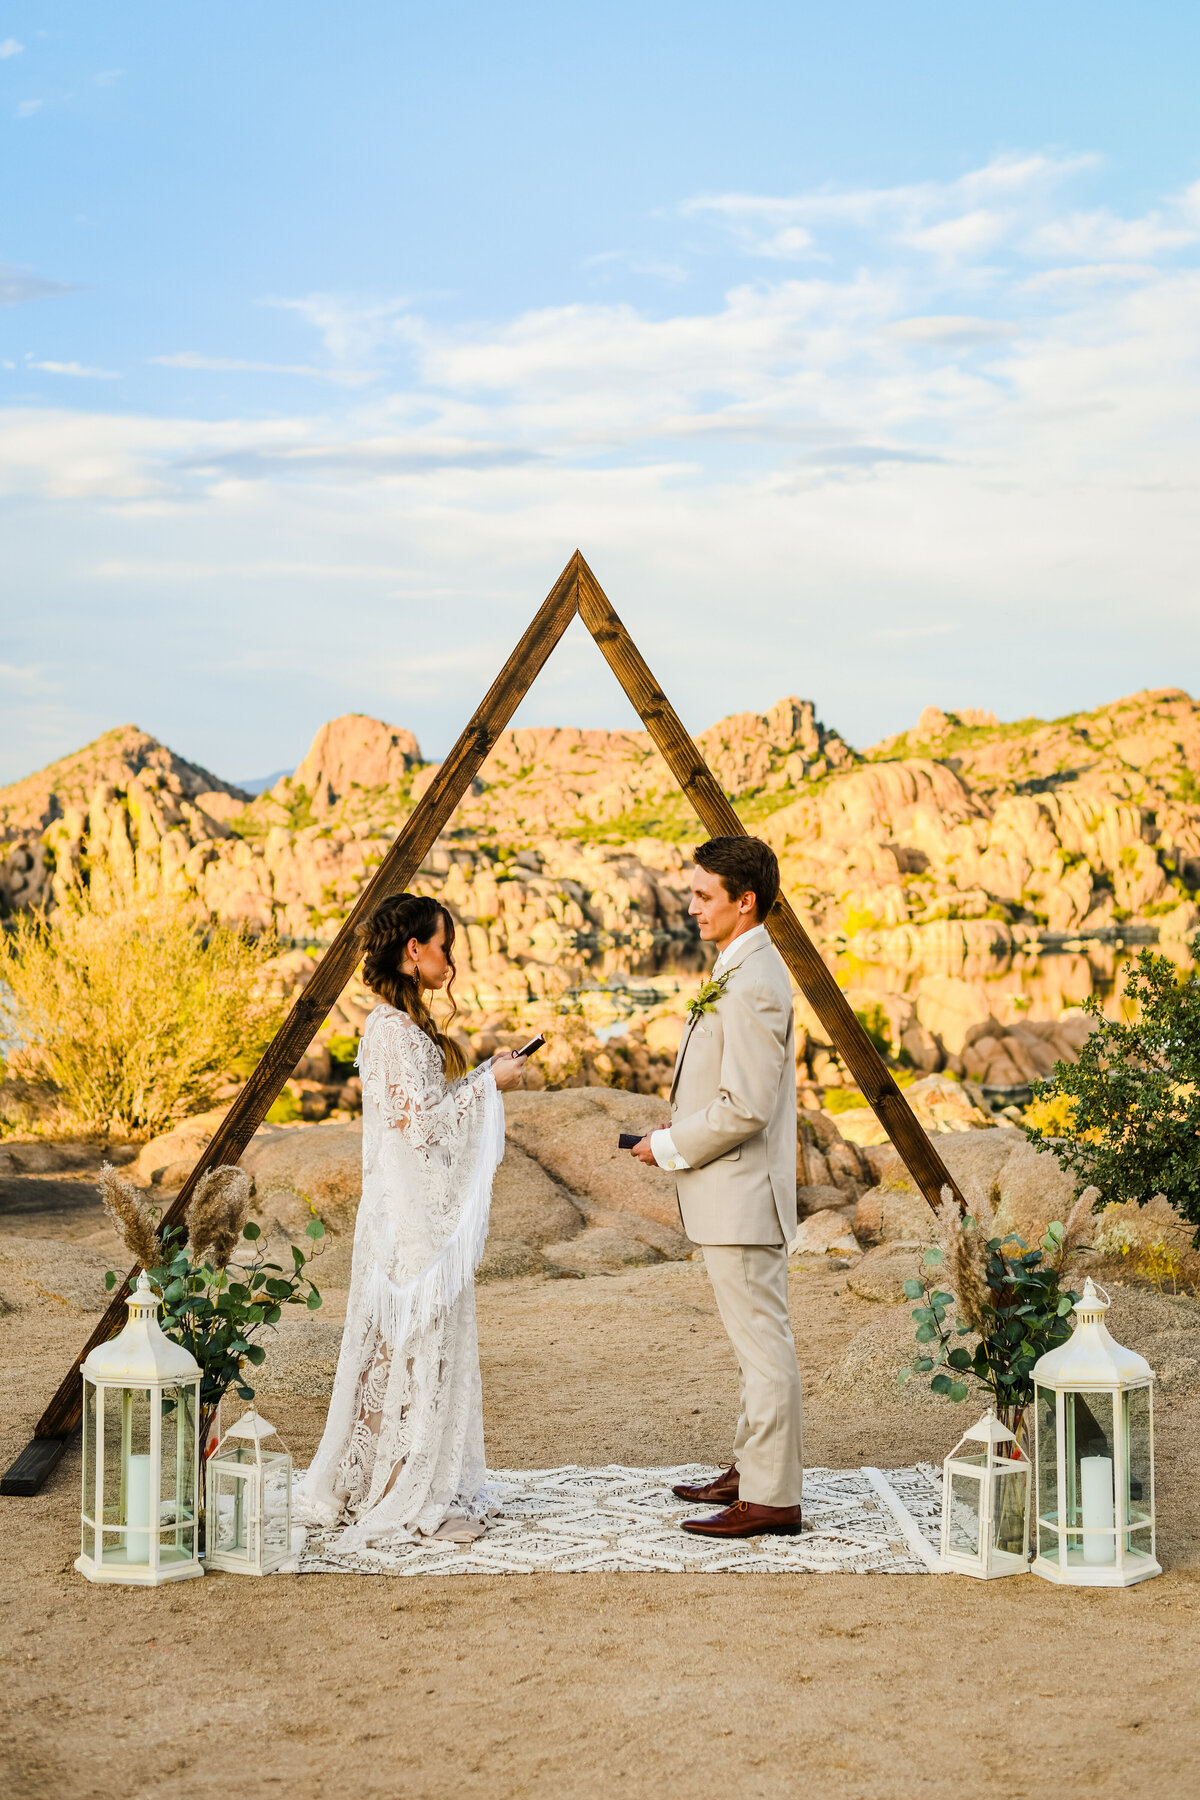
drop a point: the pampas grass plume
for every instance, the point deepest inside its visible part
(965, 1251)
(216, 1213)
(135, 1221)
(1078, 1222)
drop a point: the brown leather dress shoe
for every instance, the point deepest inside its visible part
(746, 1520)
(722, 1490)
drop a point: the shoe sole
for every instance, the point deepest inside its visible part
(759, 1531)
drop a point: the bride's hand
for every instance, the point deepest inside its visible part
(508, 1070)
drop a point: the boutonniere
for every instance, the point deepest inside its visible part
(710, 992)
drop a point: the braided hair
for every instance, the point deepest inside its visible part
(383, 938)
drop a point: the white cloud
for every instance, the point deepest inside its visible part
(19, 285)
(1101, 236)
(27, 108)
(886, 514)
(228, 365)
(19, 676)
(610, 262)
(962, 236)
(899, 632)
(949, 329)
(1087, 275)
(108, 77)
(10, 47)
(352, 329)
(948, 219)
(73, 368)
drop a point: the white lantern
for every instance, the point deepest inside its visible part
(1094, 1457)
(141, 1401)
(985, 1502)
(248, 1512)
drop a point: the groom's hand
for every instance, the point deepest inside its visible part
(643, 1152)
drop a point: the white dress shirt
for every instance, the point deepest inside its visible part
(662, 1144)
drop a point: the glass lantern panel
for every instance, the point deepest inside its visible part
(87, 1528)
(277, 1481)
(1008, 1510)
(229, 1529)
(127, 1473)
(1139, 1498)
(176, 1544)
(962, 1538)
(1091, 1511)
(89, 1451)
(1047, 1472)
(239, 1453)
(178, 1455)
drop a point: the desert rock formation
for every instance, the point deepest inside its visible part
(936, 861)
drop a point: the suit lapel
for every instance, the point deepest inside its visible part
(688, 1029)
(737, 956)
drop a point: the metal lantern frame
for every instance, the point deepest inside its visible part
(141, 1454)
(251, 1534)
(983, 1472)
(1094, 1457)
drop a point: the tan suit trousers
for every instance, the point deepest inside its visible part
(751, 1287)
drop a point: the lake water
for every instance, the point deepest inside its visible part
(948, 989)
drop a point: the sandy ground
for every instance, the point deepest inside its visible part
(581, 1686)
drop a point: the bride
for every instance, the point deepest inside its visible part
(401, 1457)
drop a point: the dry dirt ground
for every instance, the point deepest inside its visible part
(578, 1686)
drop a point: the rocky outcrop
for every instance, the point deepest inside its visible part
(936, 860)
(564, 1195)
(573, 1135)
(352, 757)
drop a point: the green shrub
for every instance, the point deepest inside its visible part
(840, 1100)
(1127, 1114)
(285, 1109)
(342, 1052)
(129, 1014)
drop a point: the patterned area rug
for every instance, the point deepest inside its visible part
(591, 1521)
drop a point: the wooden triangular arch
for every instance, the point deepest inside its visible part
(575, 592)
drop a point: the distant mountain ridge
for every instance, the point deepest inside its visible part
(965, 831)
(114, 759)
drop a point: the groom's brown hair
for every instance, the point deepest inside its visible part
(745, 865)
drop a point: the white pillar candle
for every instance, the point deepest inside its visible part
(137, 1496)
(1096, 1495)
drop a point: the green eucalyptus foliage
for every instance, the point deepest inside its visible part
(1028, 1313)
(215, 1313)
(1133, 1099)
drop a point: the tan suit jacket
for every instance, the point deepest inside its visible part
(733, 1108)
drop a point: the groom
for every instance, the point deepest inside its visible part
(732, 1144)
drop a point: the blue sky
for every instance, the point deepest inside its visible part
(856, 347)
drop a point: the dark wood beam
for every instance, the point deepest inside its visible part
(795, 946)
(428, 818)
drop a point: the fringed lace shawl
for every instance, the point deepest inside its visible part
(402, 1449)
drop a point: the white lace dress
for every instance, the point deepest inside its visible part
(401, 1457)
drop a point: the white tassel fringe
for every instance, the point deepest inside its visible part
(400, 1312)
